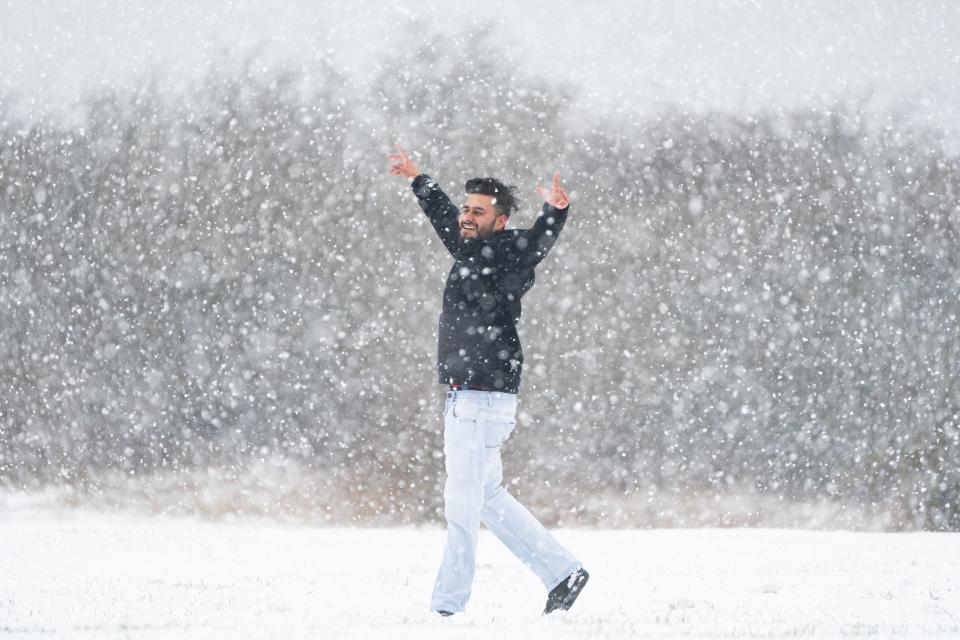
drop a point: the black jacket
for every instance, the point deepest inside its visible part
(478, 343)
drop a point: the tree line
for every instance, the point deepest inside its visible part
(740, 302)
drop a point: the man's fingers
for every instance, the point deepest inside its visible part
(403, 154)
(556, 180)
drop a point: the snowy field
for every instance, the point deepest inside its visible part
(88, 575)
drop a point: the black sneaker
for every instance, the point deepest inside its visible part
(565, 594)
(445, 614)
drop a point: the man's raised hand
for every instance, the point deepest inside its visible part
(402, 164)
(556, 197)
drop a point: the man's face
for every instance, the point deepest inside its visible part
(479, 218)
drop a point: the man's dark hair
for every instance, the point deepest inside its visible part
(505, 197)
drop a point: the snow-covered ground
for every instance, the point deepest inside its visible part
(88, 575)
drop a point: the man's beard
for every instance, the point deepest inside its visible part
(478, 234)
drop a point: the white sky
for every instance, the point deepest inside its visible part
(729, 54)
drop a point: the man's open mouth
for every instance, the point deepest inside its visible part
(467, 226)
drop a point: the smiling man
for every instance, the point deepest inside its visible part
(480, 359)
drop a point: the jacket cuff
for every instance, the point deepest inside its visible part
(422, 185)
(552, 210)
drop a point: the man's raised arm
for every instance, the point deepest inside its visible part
(443, 214)
(543, 234)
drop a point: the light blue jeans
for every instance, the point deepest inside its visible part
(476, 424)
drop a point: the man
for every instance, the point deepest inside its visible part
(480, 358)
